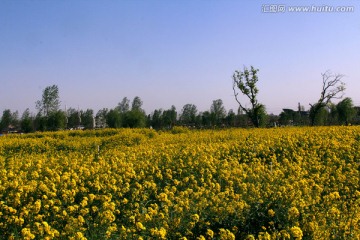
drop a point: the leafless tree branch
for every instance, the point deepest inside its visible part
(332, 87)
(235, 84)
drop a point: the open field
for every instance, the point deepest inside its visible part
(289, 183)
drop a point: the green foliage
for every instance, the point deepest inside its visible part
(113, 119)
(124, 105)
(73, 118)
(245, 82)
(346, 111)
(169, 117)
(50, 101)
(101, 118)
(26, 122)
(188, 114)
(318, 114)
(332, 88)
(157, 121)
(217, 111)
(40, 123)
(87, 119)
(258, 115)
(56, 121)
(136, 104)
(8, 119)
(134, 119)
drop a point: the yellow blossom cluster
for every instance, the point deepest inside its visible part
(283, 183)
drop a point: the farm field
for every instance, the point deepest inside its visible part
(280, 183)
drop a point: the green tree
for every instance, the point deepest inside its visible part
(56, 121)
(124, 105)
(72, 118)
(333, 116)
(245, 82)
(101, 118)
(231, 118)
(9, 120)
(218, 112)
(346, 111)
(40, 122)
(169, 117)
(206, 119)
(157, 119)
(289, 117)
(26, 123)
(332, 88)
(88, 118)
(50, 101)
(136, 104)
(188, 114)
(319, 115)
(136, 117)
(113, 118)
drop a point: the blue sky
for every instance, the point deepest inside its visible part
(172, 52)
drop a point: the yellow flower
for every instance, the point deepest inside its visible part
(26, 233)
(284, 234)
(37, 206)
(296, 232)
(271, 213)
(80, 236)
(139, 226)
(195, 217)
(209, 233)
(293, 212)
(250, 237)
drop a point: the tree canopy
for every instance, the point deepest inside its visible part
(131, 114)
(244, 82)
(50, 101)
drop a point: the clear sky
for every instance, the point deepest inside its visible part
(173, 52)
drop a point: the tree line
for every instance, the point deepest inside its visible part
(130, 114)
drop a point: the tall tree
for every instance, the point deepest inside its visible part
(8, 119)
(88, 118)
(124, 105)
(332, 88)
(169, 117)
(217, 111)
(136, 104)
(101, 118)
(346, 111)
(56, 120)
(40, 122)
(333, 115)
(113, 118)
(136, 117)
(50, 101)
(206, 119)
(26, 122)
(72, 118)
(231, 118)
(245, 82)
(188, 114)
(157, 119)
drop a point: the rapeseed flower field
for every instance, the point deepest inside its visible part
(281, 183)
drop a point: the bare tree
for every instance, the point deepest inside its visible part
(332, 88)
